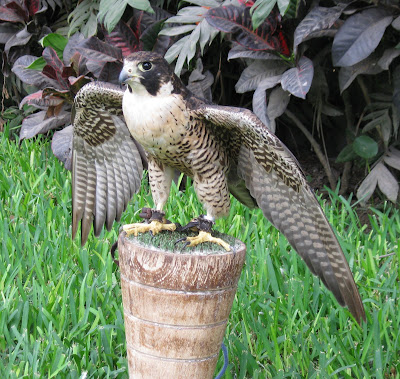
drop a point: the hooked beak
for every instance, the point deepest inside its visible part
(126, 78)
(123, 77)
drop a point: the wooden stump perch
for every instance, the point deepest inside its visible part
(176, 307)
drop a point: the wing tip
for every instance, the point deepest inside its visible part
(359, 315)
(357, 309)
(84, 234)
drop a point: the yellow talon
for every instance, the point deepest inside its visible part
(207, 237)
(155, 227)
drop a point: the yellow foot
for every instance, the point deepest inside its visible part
(205, 237)
(154, 227)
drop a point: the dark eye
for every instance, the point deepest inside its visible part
(147, 66)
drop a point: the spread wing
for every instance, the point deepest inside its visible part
(106, 163)
(275, 180)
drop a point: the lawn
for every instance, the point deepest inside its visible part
(61, 309)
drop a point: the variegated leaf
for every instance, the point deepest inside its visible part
(298, 80)
(254, 74)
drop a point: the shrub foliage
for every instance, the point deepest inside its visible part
(322, 74)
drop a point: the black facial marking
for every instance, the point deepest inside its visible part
(151, 83)
(159, 72)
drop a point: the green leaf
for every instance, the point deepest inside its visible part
(143, 5)
(365, 147)
(90, 27)
(174, 51)
(283, 6)
(291, 10)
(110, 12)
(177, 30)
(261, 10)
(347, 154)
(84, 18)
(37, 64)
(56, 41)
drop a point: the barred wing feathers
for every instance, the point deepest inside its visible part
(107, 165)
(275, 180)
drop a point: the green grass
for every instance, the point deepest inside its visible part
(61, 308)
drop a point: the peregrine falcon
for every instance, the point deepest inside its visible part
(224, 149)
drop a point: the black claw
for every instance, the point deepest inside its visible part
(200, 224)
(187, 243)
(191, 224)
(180, 240)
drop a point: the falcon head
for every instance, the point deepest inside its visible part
(150, 72)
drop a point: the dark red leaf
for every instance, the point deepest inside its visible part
(31, 99)
(33, 6)
(140, 20)
(37, 123)
(59, 93)
(52, 59)
(284, 44)
(73, 81)
(78, 62)
(67, 72)
(11, 15)
(99, 51)
(54, 68)
(50, 72)
(32, 77)
(36, 99)
(237, 20)
(71, 47)
(123, 37)
(77, 83)
(136, 22)
(18, 9)
(110, 72)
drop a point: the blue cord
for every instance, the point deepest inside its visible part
(226, 361)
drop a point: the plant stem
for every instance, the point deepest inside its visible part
(348, 111)
(315, 146)
(364, 89)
